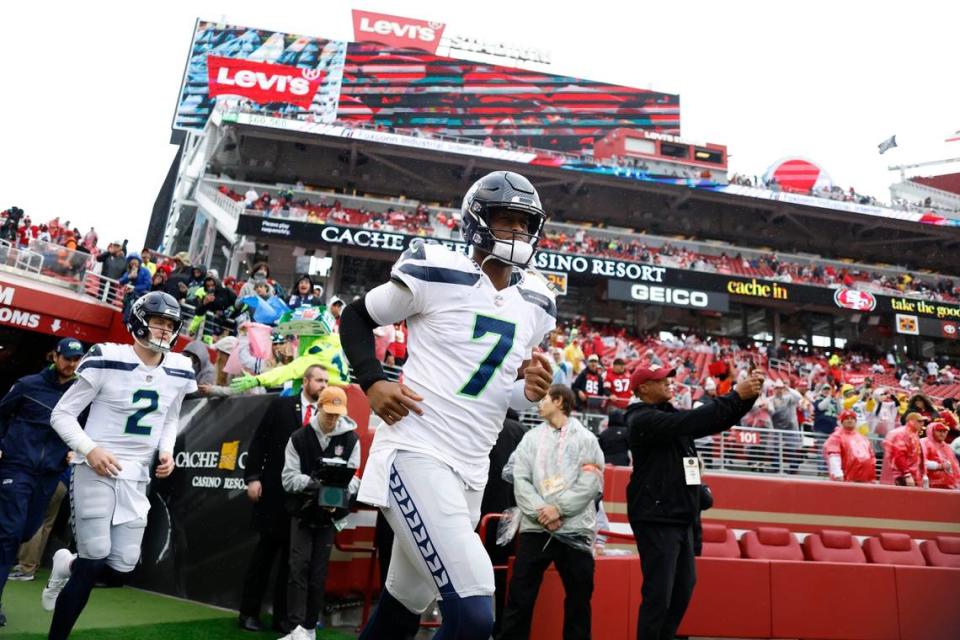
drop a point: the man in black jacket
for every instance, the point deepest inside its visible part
(498, 497)
(614, 440)
(663, 496)
(263, 473)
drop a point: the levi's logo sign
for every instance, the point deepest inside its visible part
(262, 82)
(395, 31)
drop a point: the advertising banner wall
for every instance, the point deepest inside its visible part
(199, 533)
(556, 264)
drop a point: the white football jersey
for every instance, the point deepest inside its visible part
(130, 408)
(466, 343)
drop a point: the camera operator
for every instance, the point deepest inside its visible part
(310, 455)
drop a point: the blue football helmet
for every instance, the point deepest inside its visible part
(154, 304)
(497, 191)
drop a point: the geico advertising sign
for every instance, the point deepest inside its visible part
(670, 296)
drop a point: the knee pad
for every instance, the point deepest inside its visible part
(126, 543)
(93, 546)
(468, 618)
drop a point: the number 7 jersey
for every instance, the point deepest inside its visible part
(128, 414)
(466, 342)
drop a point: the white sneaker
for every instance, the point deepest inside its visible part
(62, 561)
(299, 633)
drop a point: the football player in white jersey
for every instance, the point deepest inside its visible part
(134, 393)
(474, 325)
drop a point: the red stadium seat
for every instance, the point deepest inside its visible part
(770, 543)
(719, 542)
(833, 546)
(942, 551)
(893, 548)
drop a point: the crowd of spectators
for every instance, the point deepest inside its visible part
(284, 204)
(597, 243)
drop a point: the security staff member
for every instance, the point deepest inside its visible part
(663, 496)
(32, 455)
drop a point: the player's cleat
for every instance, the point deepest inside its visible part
(62, 561)
(299, 633)
(20, 575)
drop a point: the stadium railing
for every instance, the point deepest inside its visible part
(58, 265)
(20, 259)
(744, 449)
(106, 290)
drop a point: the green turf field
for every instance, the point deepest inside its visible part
(121, 614)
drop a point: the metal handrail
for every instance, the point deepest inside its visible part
(20, 259)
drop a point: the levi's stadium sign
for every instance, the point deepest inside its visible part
(396, 31)
(262, 82)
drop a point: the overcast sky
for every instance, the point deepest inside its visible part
(88, 94)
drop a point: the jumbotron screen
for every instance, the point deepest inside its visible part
(410, 89)
(308, 78)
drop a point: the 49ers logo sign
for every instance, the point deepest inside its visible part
(394, 31)
(262, 82)
(856, 300)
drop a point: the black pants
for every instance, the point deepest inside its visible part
(576, 571)
(273, 541)
(669, 573)
(310, 549)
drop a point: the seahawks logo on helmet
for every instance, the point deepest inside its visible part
(154, 304)
(498, 191)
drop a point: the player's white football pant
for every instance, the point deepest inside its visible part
(435, 549)
(93, 499)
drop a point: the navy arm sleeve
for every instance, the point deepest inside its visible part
(356, 337)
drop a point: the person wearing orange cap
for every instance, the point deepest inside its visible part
(331, 434)
(848, 453)
(903, 455)
(940, 461)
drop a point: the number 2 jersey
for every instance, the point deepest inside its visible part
(134, 409)
(466, 341)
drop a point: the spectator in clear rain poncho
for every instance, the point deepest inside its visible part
(557, 476)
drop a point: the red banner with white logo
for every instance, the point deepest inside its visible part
(395, 31)
(262, 82)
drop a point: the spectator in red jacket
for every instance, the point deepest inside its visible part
(617, 383)
(941, 462)
(849, 454)
(903, 455)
